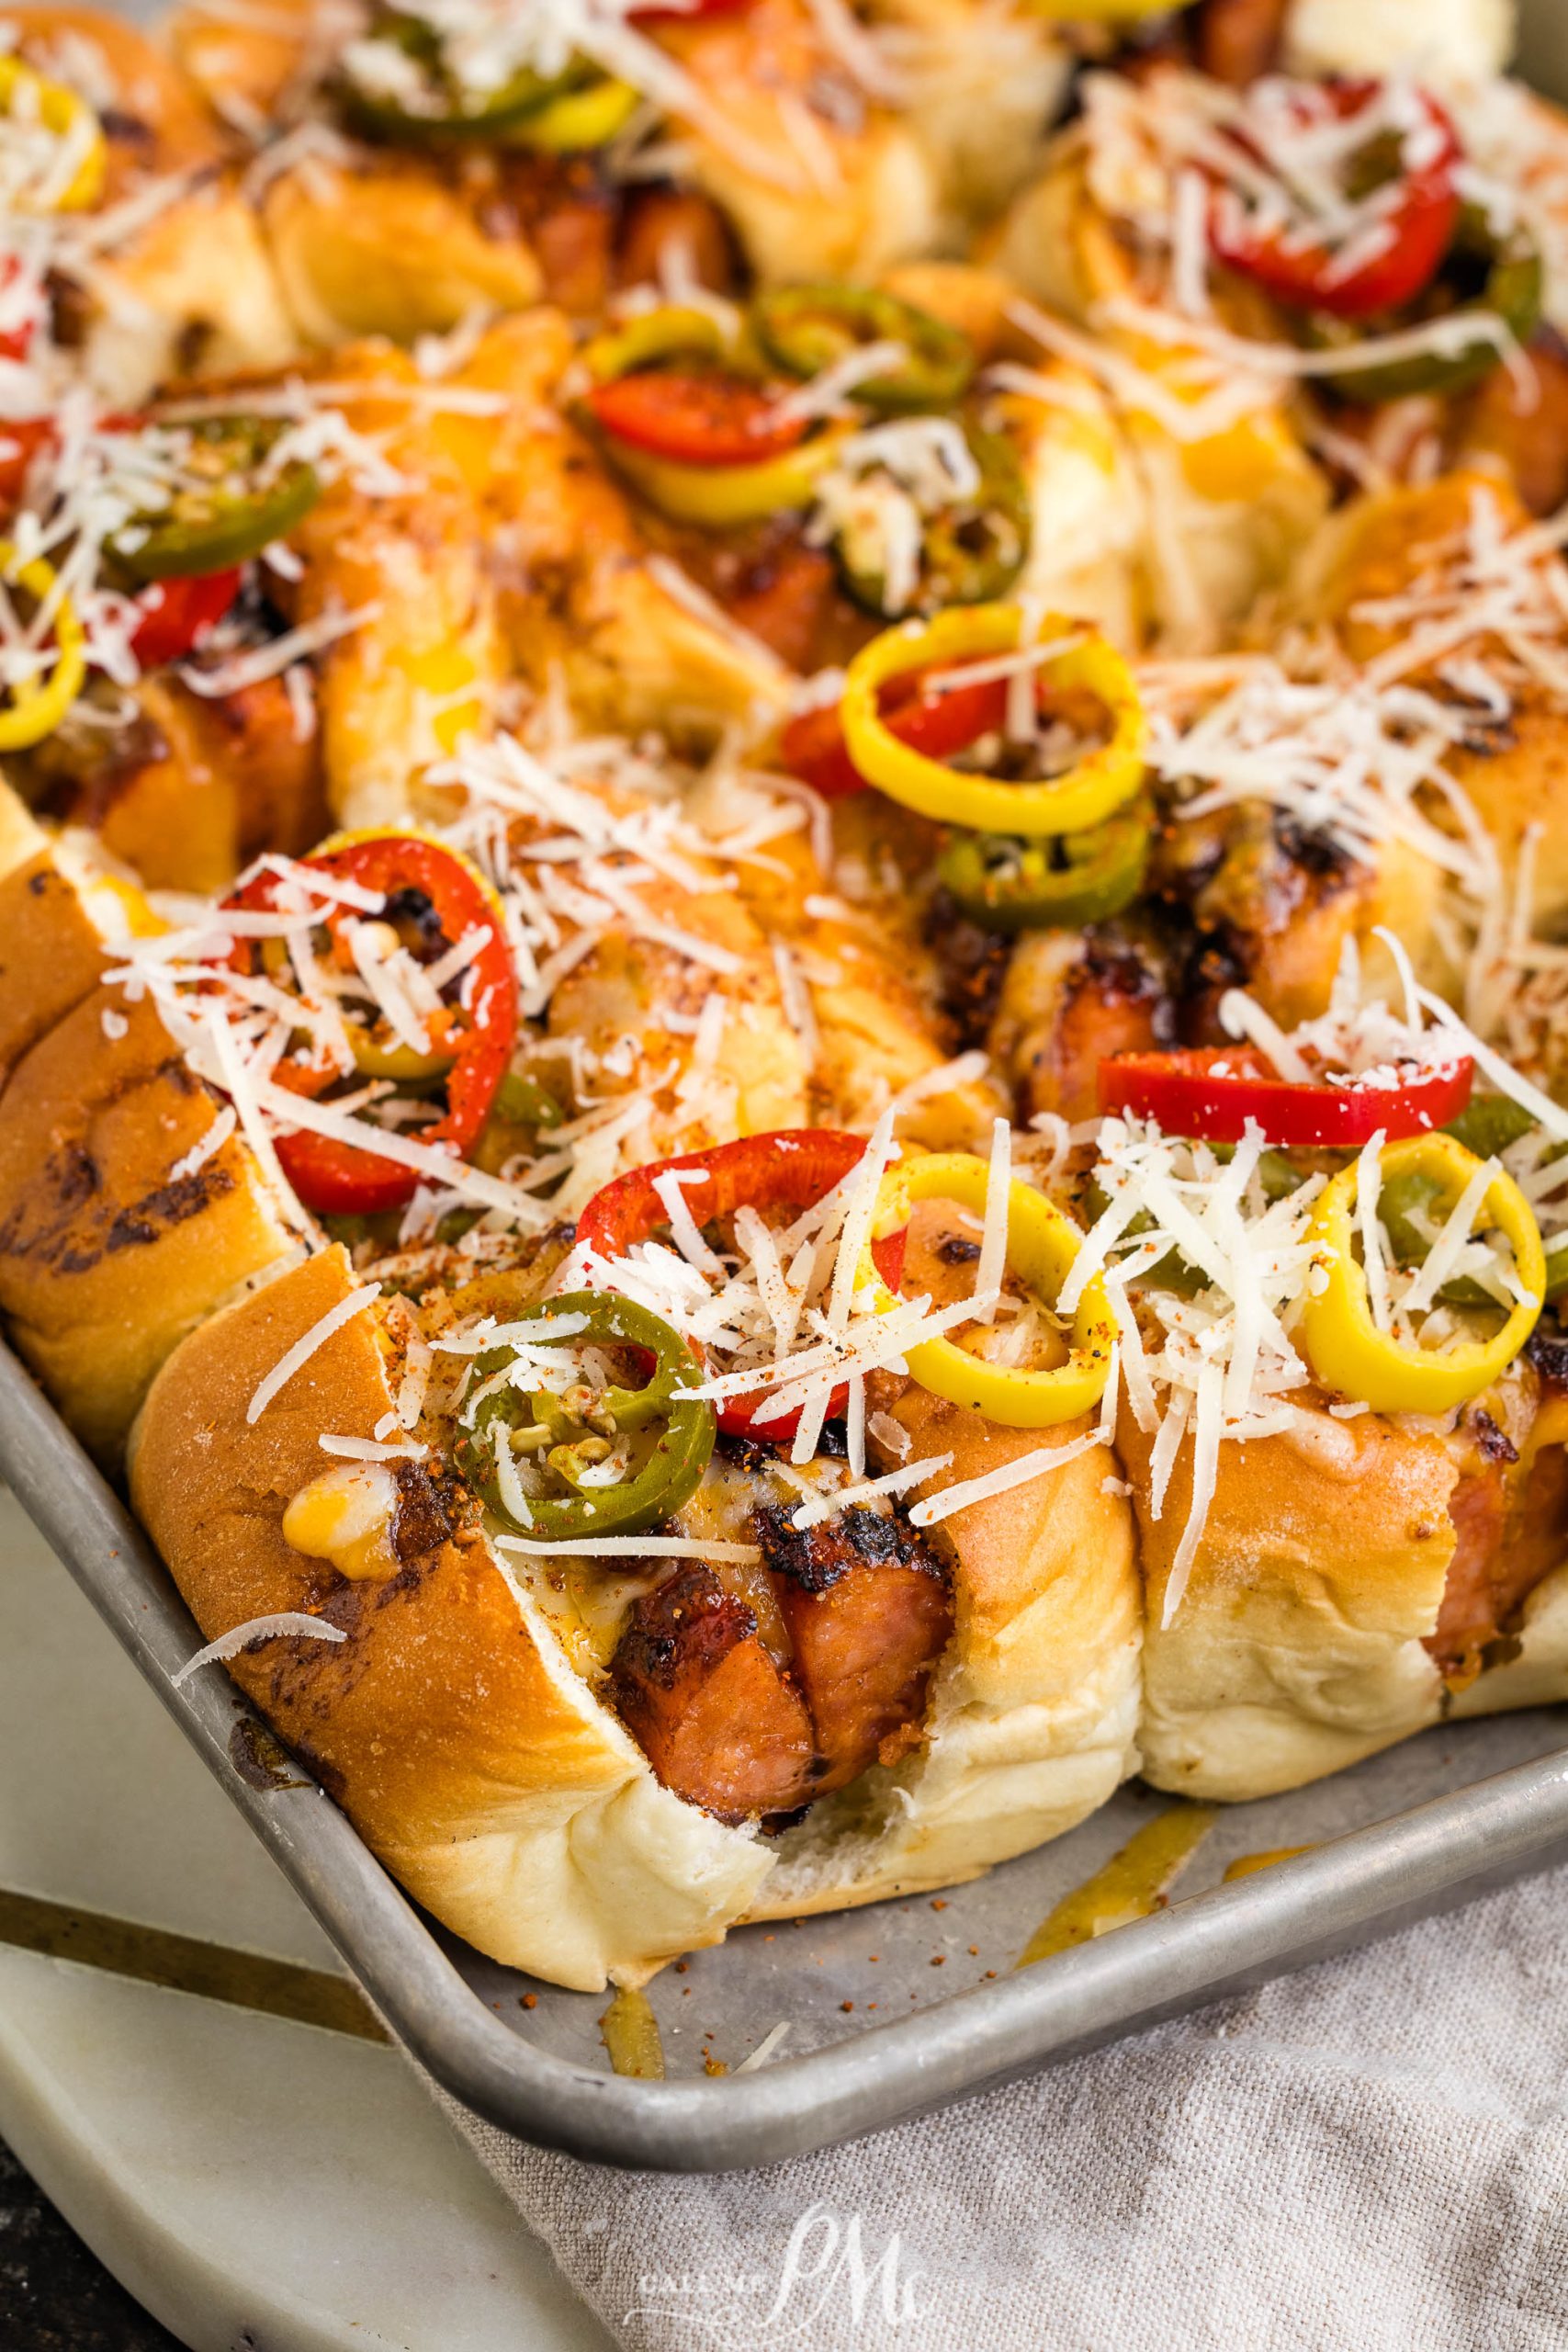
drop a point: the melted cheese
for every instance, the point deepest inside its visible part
(345, 1517)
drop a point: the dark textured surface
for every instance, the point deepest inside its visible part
(54, 2295)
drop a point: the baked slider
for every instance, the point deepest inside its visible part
(771, 1687)
(1343, 1415)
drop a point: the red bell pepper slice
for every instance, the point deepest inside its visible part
(177, 614)
(20, 441)
(339, 1178)
(696, 420)
(1419, 226)
(16, 342)
(1212, 1092)
(813, 748)
(789, 1167)
(694, 13)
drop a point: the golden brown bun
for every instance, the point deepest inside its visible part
(448, 1725)
(162, 125)
(1225, 515)
(872, 201)
(579, 600)
(386, 248)
(1296, 1647)
(1378, 548)
(390, 695)
(51, 953)
(106, 1258)
(486, 1774)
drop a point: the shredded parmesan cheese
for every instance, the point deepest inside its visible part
(287, 1624)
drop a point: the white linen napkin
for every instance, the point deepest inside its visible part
(1368, 2156)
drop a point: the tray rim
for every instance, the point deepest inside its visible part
(1328, 1899)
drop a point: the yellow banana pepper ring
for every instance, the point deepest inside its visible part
(1041, 1245)
(34, 707)
(29, 97)
(581, 119)
(671, 332)
(1085, 795)
(1345, 1347)
(719, 495)
(1100, 12)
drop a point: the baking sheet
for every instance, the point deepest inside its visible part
(1428, 1824)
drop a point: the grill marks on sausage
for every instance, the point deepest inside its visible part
(1114, 999)
(1547, 1348)
(712, 1712)
(1510, 1517)
(971, 966)
(868, 1612)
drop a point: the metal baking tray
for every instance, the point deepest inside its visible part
(891, 2010)
(872, 2040)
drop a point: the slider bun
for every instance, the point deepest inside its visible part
(449, 1726)
(1462, 42)
(1296, 1647)
(483, 1770)
(1223, 516)
(881, 203)
(50, 953)
(106, 1258)
(1517, 777)
(386, 248)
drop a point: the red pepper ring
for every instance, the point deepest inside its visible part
(813, 748)
(1420, 225)
(21, 438)
(15, 341)
(1212, 1091)
(695, 12)
(694, 420)
(789, 1167)
(177, 614)
(339, 1179)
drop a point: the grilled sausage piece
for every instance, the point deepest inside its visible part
(1238, 40)
(1512, 1532)
(869, 1613)
(1069, 1000)
(706, 1703)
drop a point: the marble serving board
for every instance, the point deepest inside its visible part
(254, 2179)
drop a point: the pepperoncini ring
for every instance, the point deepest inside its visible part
(1513, 292)
(806, 328)
(666, 1474)
(1343, 1344)
(1042, 1242)
(1090, 791)
(579, 119)
(66, 113)
(720, 495)
(674, 330)
(35, 706)
(971, 551)
(228, 509)
(1007, 885)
